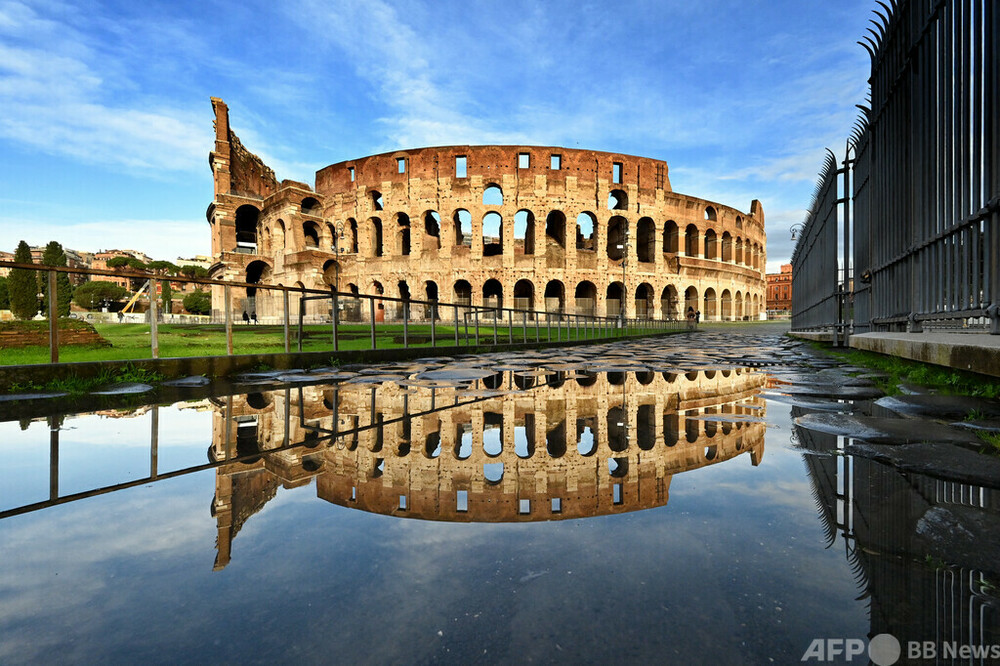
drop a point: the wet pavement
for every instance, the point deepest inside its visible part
(722, 497)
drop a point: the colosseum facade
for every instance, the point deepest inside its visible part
(538, 228)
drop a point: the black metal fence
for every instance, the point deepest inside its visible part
(926, 182)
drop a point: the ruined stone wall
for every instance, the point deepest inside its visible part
(541, 228)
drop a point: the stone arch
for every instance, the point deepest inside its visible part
(691, 241)
(463, 227)
(586, 232)
(710, 213)
(644, 301)
(247, 217)
(691, 299)
(739, 250)
(617, 200)
(711, 244)
(614, 300)
(376, 199)
(493, 296)
(330, 237)
(462, 291)
(645, 240)
(402, 244)
(524, 231)
(668, 302)
(257, 272)
(310, 235)
(617, 237)
(279, 235)
(352, 234)
(671, 238)
(492, 234)
(555, 227)
(524, 295)
(738, 306)
(555, 297)
(430, 294)
(375, 237)
(331, 272)
(492, 195)
(310, 206)
(709, 310)
(726, 303)
(585, 298)
(432, 230)
(727, 246)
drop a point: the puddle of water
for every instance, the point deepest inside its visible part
(501, 515)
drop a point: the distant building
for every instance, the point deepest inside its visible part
(5, 256)
(779, 291)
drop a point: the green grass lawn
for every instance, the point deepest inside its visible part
(132, 341)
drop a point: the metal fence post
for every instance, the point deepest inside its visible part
(510, 326)
(336, 321)
(433, 319)
(406, 324)
(302, 317)
(371, 310)
(284, 298)
(154, 338)
(228, 310)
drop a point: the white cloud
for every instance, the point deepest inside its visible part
(160, 239)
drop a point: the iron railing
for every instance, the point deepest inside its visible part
(926, 179)
(471, 325)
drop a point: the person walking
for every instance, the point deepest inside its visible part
(690, 318)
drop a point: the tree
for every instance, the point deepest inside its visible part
(198, 302)
(4, 295)
(167, 296)
(22, 285)
(91, 295)
(118, 262)
(55, 256)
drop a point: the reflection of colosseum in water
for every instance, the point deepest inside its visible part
(529, 227)
(591, 445)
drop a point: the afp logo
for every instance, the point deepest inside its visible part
(883, 650)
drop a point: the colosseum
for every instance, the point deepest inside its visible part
(537, 228)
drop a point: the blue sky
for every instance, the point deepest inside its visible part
(106, 125)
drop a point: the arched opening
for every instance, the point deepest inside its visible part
(614, 299)
(267, 240)
(739, 250)
(617, 200)
(555, 228)
(492, 433)
(524, 295)
(463, 292)
(709, 310)
(617, 234)
(586, 232)
(738, 306)
(711, 244)
(524, 437)
(671, 428)
(493, 297)
(645, 243)
(432, 230)
(375, 236)
(555, 295)
(310, 234)
(671, 238)
(352, 232)
(493, 473)
(727, 305)
(246, 229)
(690, 300)
(524, 231)
(376, 199)
(279, 235)
(331, 272)
(492, 234)
(402, 234)
(463, 227)
(257, 272)
(710, 213)
(668, 302)
(330, 237)
(430, 294)
(310, 206)
(691, 241)
(644, 301)
(586, 436)
(555, 440)
(645, 427)
(585, 298)
(617, 424)
(727, 246)
(493, 195)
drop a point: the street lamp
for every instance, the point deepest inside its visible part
(796, 230)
